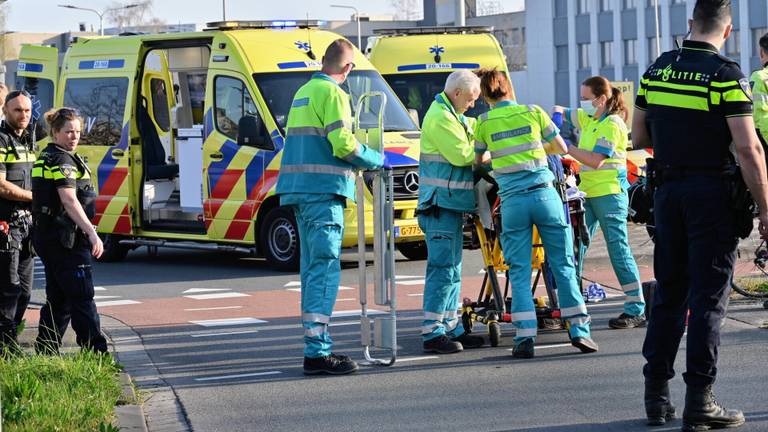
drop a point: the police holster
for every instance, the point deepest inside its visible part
(743, 206)
(66, 230)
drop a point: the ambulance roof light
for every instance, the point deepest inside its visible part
(433, 30)
(272, 24)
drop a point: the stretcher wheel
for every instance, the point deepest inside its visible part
(466, 321)
(494, 333)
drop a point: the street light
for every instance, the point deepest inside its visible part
(357, 17)
(102, 13)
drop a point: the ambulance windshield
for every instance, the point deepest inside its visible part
(278, 90)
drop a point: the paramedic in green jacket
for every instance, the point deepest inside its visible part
(317, 176)
(446, 192)
(759, 82)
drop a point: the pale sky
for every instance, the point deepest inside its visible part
(45, 16)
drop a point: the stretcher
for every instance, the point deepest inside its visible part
(493, 304)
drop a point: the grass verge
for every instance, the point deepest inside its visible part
(70, 393)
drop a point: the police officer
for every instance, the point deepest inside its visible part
(16, 259)
(691, 104)
(446, 192)
(759, 83)
(317, 176)
(602, 151)
(519, 138)
(63, 203)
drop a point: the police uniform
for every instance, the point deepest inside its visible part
(687, 96)
(317, 176)
(16, 257)
(446, 192)
(607, 203)
(65, 252)
(515, 135)
(759, 83)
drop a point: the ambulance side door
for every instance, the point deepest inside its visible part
(38, 73)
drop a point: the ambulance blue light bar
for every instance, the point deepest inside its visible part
(272, 24)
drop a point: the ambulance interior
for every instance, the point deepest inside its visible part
(170, 121)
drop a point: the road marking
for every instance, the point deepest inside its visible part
(293, 284)
(216, 296)
(408, 359)
(406, 277)
(341, 288)
(356, 312)
(213, 308)
(416, 295)
(247, 375)
(412, 282)
(346, 299)
(99, 288)
(100, 297)
(223, 333)
(343, 323)
(202, 290)
(116, 303)
(227, 322)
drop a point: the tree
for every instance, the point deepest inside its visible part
(407, 10)
(140, 15)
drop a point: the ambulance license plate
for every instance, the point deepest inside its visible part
(408, 231)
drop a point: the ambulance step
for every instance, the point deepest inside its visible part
(187, 245)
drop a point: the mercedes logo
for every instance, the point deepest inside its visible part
(411, 181)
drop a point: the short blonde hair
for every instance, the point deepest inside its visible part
(462, 79)
(3, 94)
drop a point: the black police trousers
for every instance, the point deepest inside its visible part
(69, 295)
(17, 268)
(693, 262)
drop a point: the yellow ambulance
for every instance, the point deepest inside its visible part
(416, 61)
(174, 162)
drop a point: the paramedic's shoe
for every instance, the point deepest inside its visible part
(702, 412)
(585, 344)
(442, 345)
(627, 321)
(331, 364)
(523, 350)
(658, 407)
(469, 341)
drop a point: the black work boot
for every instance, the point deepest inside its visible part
(469, 341)
(627, 321)
(442, 345)
(331, 364)
(658, 407)
(524, 349)
(702, 412)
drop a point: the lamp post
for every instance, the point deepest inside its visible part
(102, 13)
(658, 35)
(357, 18)
(223, 10)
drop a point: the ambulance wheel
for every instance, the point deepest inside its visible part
(113, 250)
(494, 334)
(279, 238)
(414, 251)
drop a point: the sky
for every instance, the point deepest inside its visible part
(45, 16)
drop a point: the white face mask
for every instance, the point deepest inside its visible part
(588, 108)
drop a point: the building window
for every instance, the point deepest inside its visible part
(676, 2)
(584, 56)
(561, 54)
(653, 52)
(582, 7)
(629, 4)
(630, 52)
(732, 45)
(652, 3)
(605, 5)
(518, 37)
(756, 35)
(606, 54)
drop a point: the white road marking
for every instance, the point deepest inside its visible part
(99, 297)
(412, 282)
(346, 299)
(213, 308)
(228, 322)
(341, 288)
(356, 312)
(223, 333)
(216, 296)
(293, 289)
(99, 288)
(201, 290)
(416, 295)
(343, 323)
(246, 375)
(116, 303)
(293, 284)
(406, 277)
(408, 359)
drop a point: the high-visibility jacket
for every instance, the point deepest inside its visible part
(445, 163)
(608, 136)
(759, 82)
(321, 152)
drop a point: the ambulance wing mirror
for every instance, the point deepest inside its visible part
(414, 116)
(252, 132)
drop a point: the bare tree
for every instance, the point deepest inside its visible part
(4, 9)
(140, 15)
(407, 10)
(489, 7)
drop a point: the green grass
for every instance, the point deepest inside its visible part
(753, 284)
(70, 393)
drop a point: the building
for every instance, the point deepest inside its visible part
(576, 39)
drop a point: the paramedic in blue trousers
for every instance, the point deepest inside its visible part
(602, 152)
(693, 106)
(519, 138)
(317, 176)
(446, 192)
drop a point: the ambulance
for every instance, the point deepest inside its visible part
(416, 61)
(183, 134)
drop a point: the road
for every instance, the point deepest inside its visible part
(220, 332)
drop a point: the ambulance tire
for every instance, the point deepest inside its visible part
(414, 251)
(279, 239)
(113, 250)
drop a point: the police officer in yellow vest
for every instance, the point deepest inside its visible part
(317, 176)
(446, 192)
(519, 138)
(759, 82)
(602, 152)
